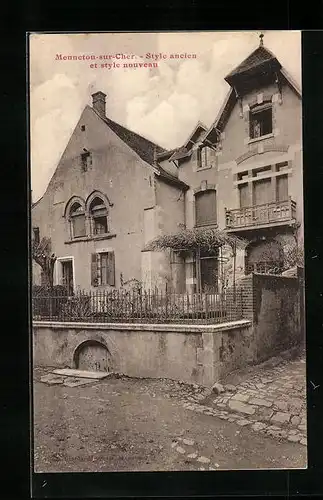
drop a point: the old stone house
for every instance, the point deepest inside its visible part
(245, 172)
(113, 191)
(106, 199)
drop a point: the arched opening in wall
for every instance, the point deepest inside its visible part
(99, 216)
(264, 256)
(77, 219)
(92, 356)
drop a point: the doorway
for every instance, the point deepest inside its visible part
(67, 275)
(92, 356)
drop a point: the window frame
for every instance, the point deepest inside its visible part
(256, 110)
(97, 269)
(198, 259)
(101, 212)
(206, 156)
(86, 160)
(73, 215)
(209, 222)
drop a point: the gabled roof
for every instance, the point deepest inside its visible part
(180, 153)
(192, 137)
(185, 151)
(166, 154)
(144, 148)
(256, 59)
(171, 179)
(36, 202)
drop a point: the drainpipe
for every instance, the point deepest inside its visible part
(198, 269)
(234, 270)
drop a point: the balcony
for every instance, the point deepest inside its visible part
(276, 213)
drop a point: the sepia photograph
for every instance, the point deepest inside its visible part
(167, 251)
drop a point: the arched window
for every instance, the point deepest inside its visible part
(99, 216)
(77, 218)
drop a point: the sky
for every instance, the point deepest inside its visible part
(163, 104)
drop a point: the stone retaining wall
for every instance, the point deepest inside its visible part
(193, 353)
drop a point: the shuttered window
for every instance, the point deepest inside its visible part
(282, 188)
(262, 192)
(205, 208)
(102, 269)
(244, 195)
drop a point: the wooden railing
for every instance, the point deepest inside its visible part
(266, 213)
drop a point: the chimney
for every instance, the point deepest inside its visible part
(98, 103)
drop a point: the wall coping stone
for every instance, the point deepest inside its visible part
(159, 327)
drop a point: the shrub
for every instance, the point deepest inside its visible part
(48, 302)
(77, 307)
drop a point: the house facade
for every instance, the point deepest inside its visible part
(114, 191)
(106, 199)
(245, 173)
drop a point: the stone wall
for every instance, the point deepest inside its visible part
(277, 315)
(193, 353)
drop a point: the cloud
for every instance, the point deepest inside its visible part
(162, 104)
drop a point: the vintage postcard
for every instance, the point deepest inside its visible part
(167, 251)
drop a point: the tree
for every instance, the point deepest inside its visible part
(43, 256)
(293, 256)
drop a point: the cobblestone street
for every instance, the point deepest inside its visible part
(272, 400)
(118, 423)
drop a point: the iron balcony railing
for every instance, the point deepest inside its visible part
(266, 213)
(144, 306)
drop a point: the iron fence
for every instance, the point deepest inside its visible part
(139, 306)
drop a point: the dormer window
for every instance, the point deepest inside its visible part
(77, 218)
(86, 160)
(261, 121)
(99, 216)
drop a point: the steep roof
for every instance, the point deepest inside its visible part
(146, 149)
(36, 202)
(181, 152)
(185, 151)
(257, 58)
(171, 179)
(195, 133)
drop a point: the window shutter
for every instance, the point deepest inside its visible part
(282, 188)
(94, 270)
(205, 205)
(111, 269)
(244, 195)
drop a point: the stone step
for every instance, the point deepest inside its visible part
(70, 372)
